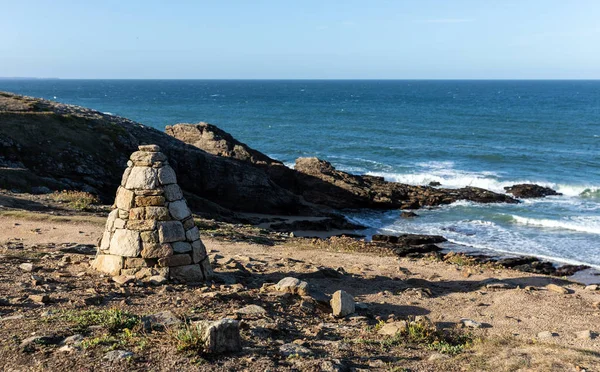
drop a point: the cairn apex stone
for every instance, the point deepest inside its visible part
(150, 148)
(150, 232)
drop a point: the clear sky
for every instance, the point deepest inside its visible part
(369, 39)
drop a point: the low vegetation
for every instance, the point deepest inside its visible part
(78, 200)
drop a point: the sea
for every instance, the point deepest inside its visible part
(488, 134)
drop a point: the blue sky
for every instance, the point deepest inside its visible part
(424, 39)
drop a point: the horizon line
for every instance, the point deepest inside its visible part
(309, 79)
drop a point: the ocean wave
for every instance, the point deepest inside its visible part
(453, 178)
(589, 225)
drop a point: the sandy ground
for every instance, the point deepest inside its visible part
(400, 287)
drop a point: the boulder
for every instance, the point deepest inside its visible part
(220, 336)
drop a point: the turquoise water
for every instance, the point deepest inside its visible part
(481, 133)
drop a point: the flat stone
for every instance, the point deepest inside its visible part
(390, 329)
(125, 243)
(124, 199)
(150, 148)
(471, 323)
(175, 260)
(173, 192)
(252, 310)
(156, 280)
(179, 210)
(149, 201)
(105, 241)
(154, 192)
(156, 250)
(27, 267)
(40, 299)
(342, 303)
(117, 355)
(130, 272)
(557, 289)
(547, 334)
(142, 178)
(134, 262)
(123, 279)
(170, 231)
(160, 320)
(157, 213)
(198, 251)
(141, 225)
(220, 336)
(592, 287)
(123, 214)
(166, 176)
(147, 273)
(181, 247)
(109, 264)
(294, 350)
(293, 286)
(192, 234)
(186, 274)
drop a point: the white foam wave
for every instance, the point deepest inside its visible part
(587, 224)
(453, 178)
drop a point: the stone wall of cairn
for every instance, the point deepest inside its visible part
(150, 230)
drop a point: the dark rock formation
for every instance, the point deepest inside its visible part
(323, 224)
(528, 190)
(409, 239)
(44, 143)
(323, 184)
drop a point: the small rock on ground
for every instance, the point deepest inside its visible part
(116, 355)
(471, 323)
(547, 334)
(292, 349)
(557, 289)
(342, 303)
(252, 310)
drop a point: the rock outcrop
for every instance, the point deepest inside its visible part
(318, 182)
(150, 230)
(45, 143)
(216, 141)
(529, 190)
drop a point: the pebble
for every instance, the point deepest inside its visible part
(116, 355)
(471, 323)
(123, 279)
(390, 329)
(292, 349)
(592, 287)
(40, 299)
(27, 267)
(252, 310)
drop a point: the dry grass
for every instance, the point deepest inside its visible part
(78, 200)
(44, 217)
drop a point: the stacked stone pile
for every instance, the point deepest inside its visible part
(150, 230)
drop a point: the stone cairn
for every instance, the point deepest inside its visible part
(150, 231)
